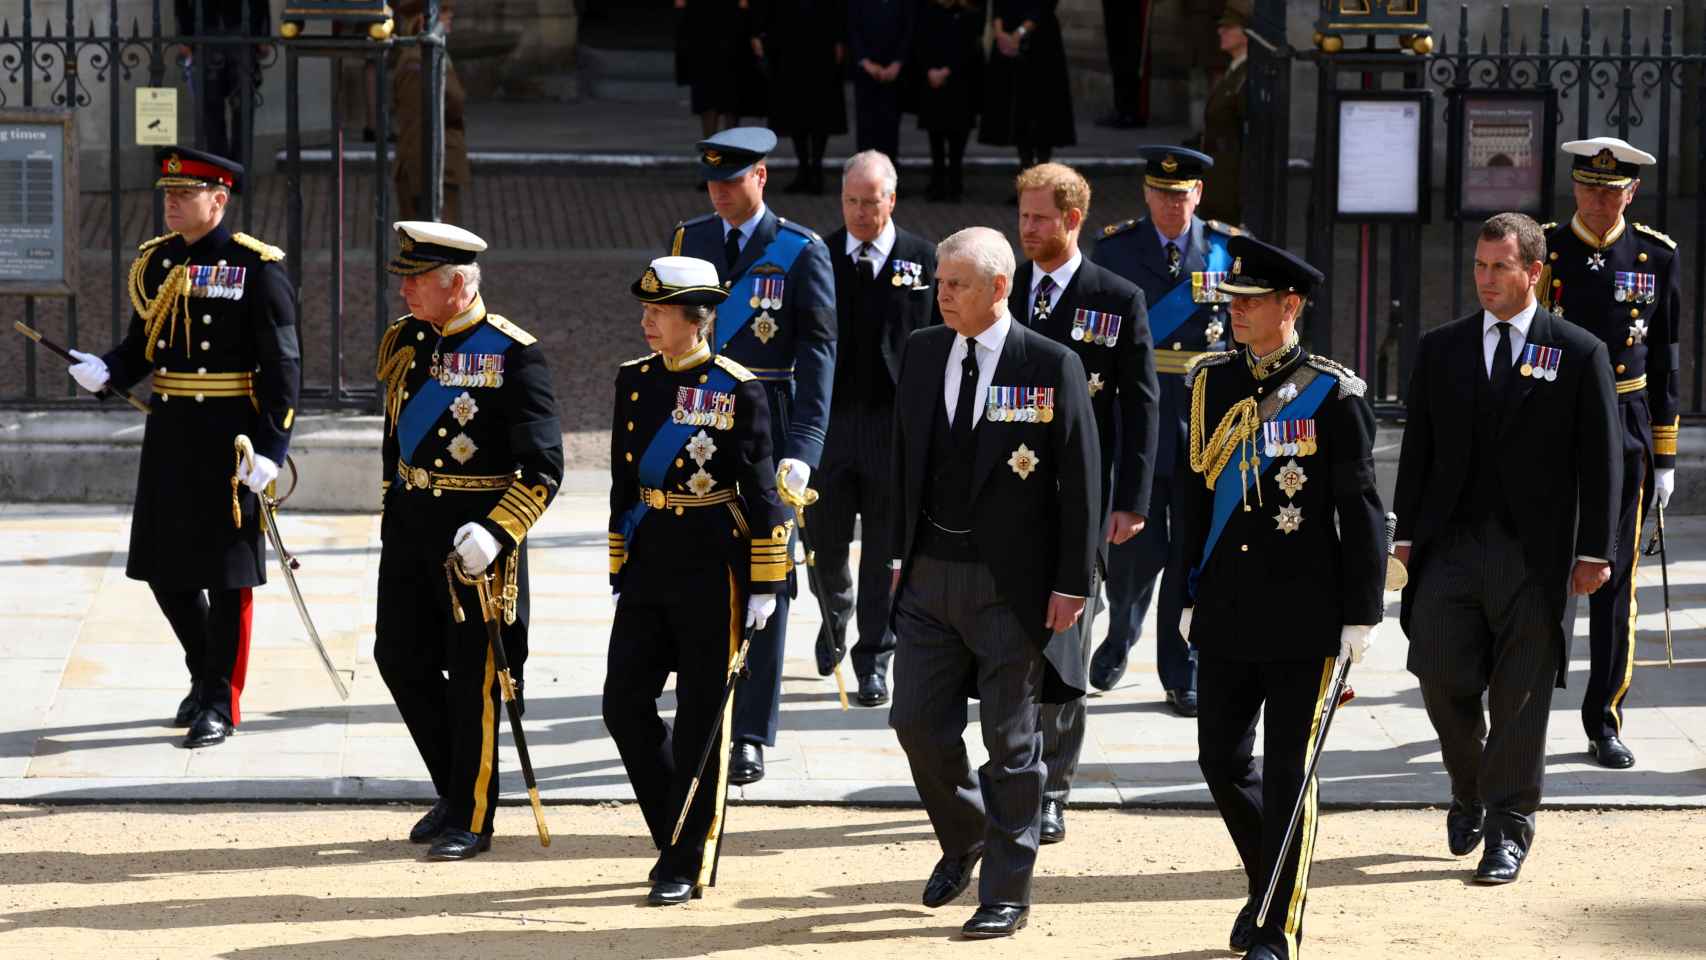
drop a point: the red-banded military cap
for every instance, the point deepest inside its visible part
(184, 167)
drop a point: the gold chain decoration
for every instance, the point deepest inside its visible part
(393, 367)
(157, 314)
(1237, 429)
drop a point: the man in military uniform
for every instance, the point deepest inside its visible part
(1621, 281)
(1100, 317)
(472, 456)
(216, 326)
(698, 548)
(1282, 443)
(409, 78)
(1224, 115)
(1177, 259)
(779, 323)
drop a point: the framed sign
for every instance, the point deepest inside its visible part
(38, 202)
(1382, 154)
(1503, 152)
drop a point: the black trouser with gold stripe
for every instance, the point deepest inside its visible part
(1611, 608)
(442, 676)
(694, 634)
(1255, 804)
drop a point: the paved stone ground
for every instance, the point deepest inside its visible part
(92, 674)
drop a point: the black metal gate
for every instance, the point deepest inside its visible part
(55, 64)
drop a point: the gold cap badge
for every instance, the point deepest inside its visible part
(405, 242)
(649, 282)
(1604, 160)
(714, 158)
(1169, 164)
(173, 164)
(1238, 265)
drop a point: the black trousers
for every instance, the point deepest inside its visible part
(442, 676)
(1611, 612)
(876, 113)
(215, 100)
(1134, 568)
(854, 484)
(213, 628)
(1256, 804)
(1064, 724)
(1122, 24)
(956, 635)
(694, 638)
(1480, 625)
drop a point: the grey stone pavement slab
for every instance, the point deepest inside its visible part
(91, 675)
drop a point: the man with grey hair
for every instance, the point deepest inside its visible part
(997, 467)
(882, 294)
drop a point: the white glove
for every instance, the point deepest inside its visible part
(475, 548)
(1185, 624)
(1664, 484)
(1355, 641)
(759, 607)
(258, 474)
(794, 475)
(89, 371)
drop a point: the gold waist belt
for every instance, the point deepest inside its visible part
(1632, 384)
(203, 385)
(1173, 361)
(420, 478)
(663, 499)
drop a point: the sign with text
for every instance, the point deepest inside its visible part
(1502, 150)
(156, 116)
(1383, 154)
(38, 202)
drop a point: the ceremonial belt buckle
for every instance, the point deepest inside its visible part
(419, 479)
(656, 499)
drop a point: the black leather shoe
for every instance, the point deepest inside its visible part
(459, 845)
(1611, 753)
(1183, 702)
(209, 729)
(746, 764)
(668, 893)
(1262, 951)
(1500, 862)
(1244, 928)
(1054, 821)
(187, 709)
(950, 878)
(829, 650)
(1000, 920)
(873, 690)
(1107, 666)
(428, 827)
(1464, 826)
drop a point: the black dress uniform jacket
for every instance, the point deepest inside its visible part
(880, 309)
(1120, 377)
(1564, 455)
(1316, 578)
(1038, 532)
(796, 363)
(1641, 331)
(226, 361)
(675, 550)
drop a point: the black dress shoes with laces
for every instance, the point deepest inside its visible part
(429, 826)
(459, 845)
(1610, 752)
(209, 729)
(997, 920)
(1464, 826)
(746, 764)
(1054, 822)
(950, 878)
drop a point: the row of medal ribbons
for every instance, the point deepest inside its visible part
(1288, 438)
(1540, 363)
(704, 408)
(1020, 405)
(1094, 326)
(766, 293)
(1636, 287)
(1205, 287)
(220, 283)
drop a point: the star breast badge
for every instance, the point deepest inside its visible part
(1096, 384)
(1289, 519)
(1023, 461)
(701, 482)
(462, 448)
(463, 408)
(701, 447)
(1291, 477)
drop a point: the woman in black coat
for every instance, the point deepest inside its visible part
(1029, 103)
(804, 43)
(948, 60)
(714, 59)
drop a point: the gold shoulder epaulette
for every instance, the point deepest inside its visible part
(1202, 361)
(675, 245)
(1225, 228)
(511, 330)
(1350, 385)
(639, 360)
(155, 242)
(267, 251)
(735, 370)
(1656, 235)
(1114, 228)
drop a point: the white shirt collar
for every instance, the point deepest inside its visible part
(1061, 275)
(882, 244)
(746, 228)
(1520, 323)
(1235, 63)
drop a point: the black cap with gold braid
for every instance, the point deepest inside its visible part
(684, 280)
(424, 245)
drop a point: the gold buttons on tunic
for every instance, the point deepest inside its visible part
(206, 346)
(1629, 342)
(628, 457)
(1634, 312)
(437, 492)
(406, 396)
(420, 335)
(680, 510)
(1243, 548)
(703, 378)
(438, 462)
(630, 425)
(1553, 255)
(678, 462)
(634, 396)
(1621, 368)
(1178, 346)
(207, 318)
(441, 430)
(645, 368)
(1642, 256)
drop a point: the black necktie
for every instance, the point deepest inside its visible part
(1040, 308)
(1173, 258)
(1500, 376)
(860, 258)
(731, 250)
(964, 412)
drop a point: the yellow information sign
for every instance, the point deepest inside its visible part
(156, 116)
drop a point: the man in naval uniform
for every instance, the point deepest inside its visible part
(1621, 281)
(779, 323)
(698, 549)
(216, 325)
(1284, 530)
(1177, 259)
(472, 456)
